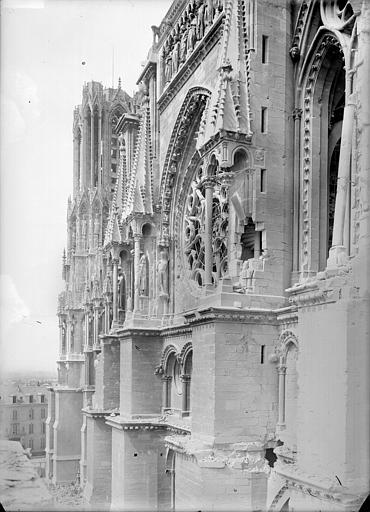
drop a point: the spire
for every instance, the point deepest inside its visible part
(119, 82)
(113, 231)
(139, 194)
(229, 106)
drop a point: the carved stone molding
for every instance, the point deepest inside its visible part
(327, 41)
(227, 315)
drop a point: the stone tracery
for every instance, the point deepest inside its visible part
(196, 231)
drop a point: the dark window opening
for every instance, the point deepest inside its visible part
(263, 119)
(263, 180)
(332, 191)
(264, 49)
(270, 457)
(262, 354)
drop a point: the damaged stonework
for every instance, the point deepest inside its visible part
(20, 486)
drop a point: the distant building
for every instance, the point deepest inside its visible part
(23, 413)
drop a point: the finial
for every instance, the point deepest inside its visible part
(64, 256)
(119, 82)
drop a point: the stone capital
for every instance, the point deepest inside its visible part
(208, 182)
(297, 113)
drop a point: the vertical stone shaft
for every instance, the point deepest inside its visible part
(99, 164)
(96, 326)
(136, 271)
(343, 173)
(92, 152)
(165, 380)
(106, 316)
(297, 115)
(281, 372)
(114, 285)
(208, 256)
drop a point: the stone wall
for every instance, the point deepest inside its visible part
(141, 390)
(67, 435)
(138, 471)
(233, 394)
(99, 462)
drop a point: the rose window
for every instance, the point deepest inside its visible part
(194, 229)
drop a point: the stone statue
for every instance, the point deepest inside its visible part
(168, 69)
(192, 36)
(219, 4)
(121, 290)
(143, 277)
(210, 13)
(246, 276)
(163, 273)
(201, 18)
(183, 45)
(176, 55)
(72, 334)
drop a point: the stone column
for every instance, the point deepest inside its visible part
(68, 344)
(96, 325)
(337, 249)
(92, 152)
(208, 255)
(87, 368)
(281, 373)
(136, 271)
(257, 244)
(86, 329)
(114, 286)
(297, 116)
(106, 317)
(166, 379)
(185, 379)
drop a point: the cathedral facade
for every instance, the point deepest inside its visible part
(214, 327)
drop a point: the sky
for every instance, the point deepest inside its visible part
(43, 45)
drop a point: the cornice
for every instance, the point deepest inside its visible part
(98, 413)
(121, 423)
(301, 483)
(213, 314)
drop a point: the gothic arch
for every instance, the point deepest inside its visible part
(191, 110)
(185, 351)
(241, 149)
(286, 338)
(318, 76)
(280, 499)
(168, 351)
